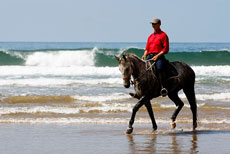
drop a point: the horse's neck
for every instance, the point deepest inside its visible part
(144, 79)
(139, 67)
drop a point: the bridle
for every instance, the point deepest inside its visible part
(132, 67)
(140, 76)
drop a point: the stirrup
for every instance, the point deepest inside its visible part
(164, 92)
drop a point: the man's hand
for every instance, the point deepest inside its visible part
(143, 57)
(155, 58)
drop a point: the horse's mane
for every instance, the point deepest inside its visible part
(132, 55)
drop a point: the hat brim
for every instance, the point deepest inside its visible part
(153, 23)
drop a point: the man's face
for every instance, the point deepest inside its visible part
(156, 26)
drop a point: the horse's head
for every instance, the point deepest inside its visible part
(125, 66)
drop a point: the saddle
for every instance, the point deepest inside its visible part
(171, 74)
(170, 70)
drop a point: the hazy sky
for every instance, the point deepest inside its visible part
(113, 20)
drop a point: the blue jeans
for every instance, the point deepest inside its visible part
(160, 63)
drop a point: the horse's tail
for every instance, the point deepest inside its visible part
(189, 91)
(189, 88)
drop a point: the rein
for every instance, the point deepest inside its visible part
(139, 77)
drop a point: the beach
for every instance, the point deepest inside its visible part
(66, 97)
(103, 139)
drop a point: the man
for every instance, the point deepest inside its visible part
(157, 46)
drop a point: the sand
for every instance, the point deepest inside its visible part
(108, 139)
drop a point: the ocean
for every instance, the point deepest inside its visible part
(80, 83)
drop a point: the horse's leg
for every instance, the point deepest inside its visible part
(190, 94)
(150, 111)
(135, 109)
(174, 97)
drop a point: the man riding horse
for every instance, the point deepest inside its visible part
(157, 46)
(145, 80)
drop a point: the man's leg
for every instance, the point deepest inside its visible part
(162, 76)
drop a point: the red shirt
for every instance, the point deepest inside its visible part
(157, 42)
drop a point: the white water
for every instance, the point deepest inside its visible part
(21, 72)
(44, 76)
(212, 71)
(61, 58)
(58, 71)
(107, 121)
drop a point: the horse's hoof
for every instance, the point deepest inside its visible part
(129, 130)
(164, 92)
(155, 128)
(154, 131)
(134, 95)
(173, 125)
(194, 126)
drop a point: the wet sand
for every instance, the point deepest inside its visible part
(108, 139)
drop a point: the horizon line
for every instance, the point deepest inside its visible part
(101, 42)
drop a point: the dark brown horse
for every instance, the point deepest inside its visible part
(147, 86)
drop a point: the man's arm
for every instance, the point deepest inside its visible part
(146, 48)
(145, 54)
(165, 49)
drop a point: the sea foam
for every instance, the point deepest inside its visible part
(210, 96)
(62, 58)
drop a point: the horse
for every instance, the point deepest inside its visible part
(147, 86)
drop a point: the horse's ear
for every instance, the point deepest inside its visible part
(117, 58)
(124, 57)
